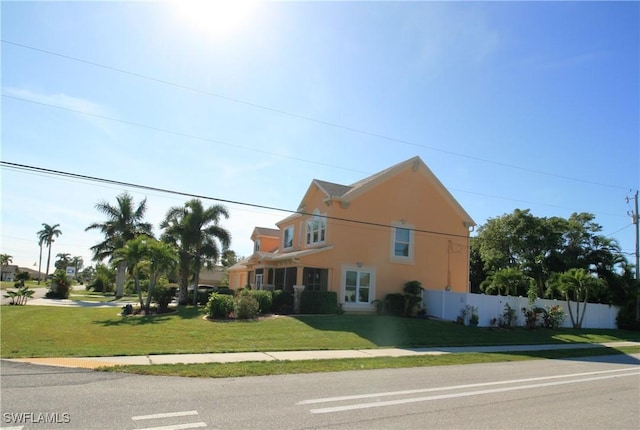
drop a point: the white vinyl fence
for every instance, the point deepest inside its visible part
(447, 305)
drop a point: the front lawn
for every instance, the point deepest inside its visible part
(42, 331)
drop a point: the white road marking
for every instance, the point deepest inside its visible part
(171, 415)
(455, 387)
(470, 393)
(178, 426)
(165, 415)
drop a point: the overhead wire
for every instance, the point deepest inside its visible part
(261, 151)
(304, 117)
(18, 166)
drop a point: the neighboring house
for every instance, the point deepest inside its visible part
(365, 240)
(9, 272)
(212, 276)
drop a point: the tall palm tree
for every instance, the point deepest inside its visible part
(124, 222)
(40, 243)
(196, 233)
(47, 236)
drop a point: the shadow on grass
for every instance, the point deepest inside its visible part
(392, 331)
(134, 320)
(594, 355)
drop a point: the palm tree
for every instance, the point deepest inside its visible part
(5, 259)
(578, 285)
(47, 236)
(196, 232)
(162, 258)
(124, 222)
(40, 243)
(133, 253)
(63, 261)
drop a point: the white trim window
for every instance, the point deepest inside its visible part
(402, 243)
(316, 228)
(256, 245)
(287, 237)
(358, 286)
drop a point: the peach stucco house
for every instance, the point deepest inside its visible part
(365, 240)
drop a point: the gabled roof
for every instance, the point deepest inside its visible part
(264, 231)
(345, 193)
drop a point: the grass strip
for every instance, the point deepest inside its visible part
(259, 368)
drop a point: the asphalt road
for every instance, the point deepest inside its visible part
(590, 393)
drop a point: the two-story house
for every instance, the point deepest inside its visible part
(365, 240)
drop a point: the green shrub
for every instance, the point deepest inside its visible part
(319, 302)
(395, 304)
(226, 290)
(246, 306)
(626, 318)
(219, 306)
(163, 294)
(60, 286)
(264, 299)
(282, 302)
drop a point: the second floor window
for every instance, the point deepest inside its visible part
(402, 243)
(316, 228)
(287, 238)
(256, 245)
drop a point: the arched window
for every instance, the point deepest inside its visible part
(316, 228)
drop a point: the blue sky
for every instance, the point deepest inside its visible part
(511, 104)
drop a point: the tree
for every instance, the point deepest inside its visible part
(577, 285)
(77, 262)
(195, 231)
(47, 236)
(63, 261)
(162, 258)
(522, 241)
(5, 260)
(510, 280)
(124, 222)
(133, 253)
(40, 243)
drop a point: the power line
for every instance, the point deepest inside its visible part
(261, 151)
(18, 166)
(304, 117)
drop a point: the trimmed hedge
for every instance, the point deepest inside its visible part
(319, 302)
(395, 304)
(282, 302)
(264, 299)
(219, 306)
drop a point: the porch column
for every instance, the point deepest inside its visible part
(297, 293)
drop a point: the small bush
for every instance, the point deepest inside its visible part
(60, 286)
(553, 316)
(226, 290)
(246, 306)
(219, 306)
(163, 294)
(395, 304)
(282, 302)
(508, 319)
(319, 302)
(264, 299)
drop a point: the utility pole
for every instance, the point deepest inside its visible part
(634, 218)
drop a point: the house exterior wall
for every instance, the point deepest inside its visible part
(439, 261)
(409, 198)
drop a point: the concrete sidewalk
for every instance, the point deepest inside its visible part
(235, 357)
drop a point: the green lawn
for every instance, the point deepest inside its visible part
(260, 368)
(41, 331)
